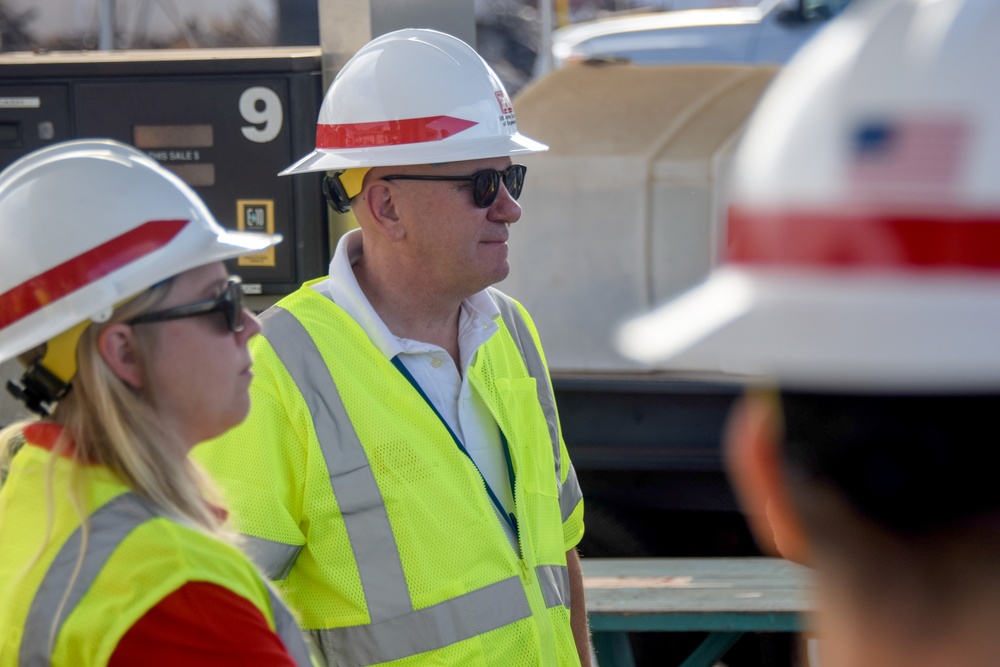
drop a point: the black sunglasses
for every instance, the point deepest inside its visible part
(230, 304)
(485, 183)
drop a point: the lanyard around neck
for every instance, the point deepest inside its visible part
(507, 516)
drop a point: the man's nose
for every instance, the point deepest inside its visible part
(504, 208)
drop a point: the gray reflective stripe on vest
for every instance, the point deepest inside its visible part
(109, 526)
(352, 479)
(287, 628)
(275, 559)
(570, 494)
(569, 491)
(555, 584)
(463, 617)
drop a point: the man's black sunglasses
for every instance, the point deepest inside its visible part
(485, 183)
(230, 304)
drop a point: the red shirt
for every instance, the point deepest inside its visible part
(201, 624)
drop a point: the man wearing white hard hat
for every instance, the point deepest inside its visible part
(863, 279)
(402, 474)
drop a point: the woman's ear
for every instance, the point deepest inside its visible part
(118, 347)
(753, 461)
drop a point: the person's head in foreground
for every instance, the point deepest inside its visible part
(863, 279)
(419, 135)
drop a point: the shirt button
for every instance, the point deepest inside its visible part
(436, 363)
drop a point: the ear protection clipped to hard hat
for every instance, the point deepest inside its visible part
(341, 187)
(335, 194)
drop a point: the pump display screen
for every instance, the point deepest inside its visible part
(176, 147)
(173, 136)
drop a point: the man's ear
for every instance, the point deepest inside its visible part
(753, 461)
(382, 211)
(117, 346)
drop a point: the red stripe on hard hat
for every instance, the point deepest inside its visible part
(389, 132)
(71, 275)
(944, 239)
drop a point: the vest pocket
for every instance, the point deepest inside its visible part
(528, 436)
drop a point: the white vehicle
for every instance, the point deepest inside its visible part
(768, 34)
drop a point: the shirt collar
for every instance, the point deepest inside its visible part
(342, 287)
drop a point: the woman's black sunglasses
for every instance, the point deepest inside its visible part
(485, 183)
(230, 304)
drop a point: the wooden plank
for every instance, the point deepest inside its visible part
(723, 596)
(706, 586)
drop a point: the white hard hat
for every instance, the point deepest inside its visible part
(864, 228)
(414, 97)
(87, 224)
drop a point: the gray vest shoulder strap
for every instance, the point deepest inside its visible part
(569, 491)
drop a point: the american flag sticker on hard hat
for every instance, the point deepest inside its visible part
(921, 158)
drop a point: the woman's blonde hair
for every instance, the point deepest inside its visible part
(110, 423)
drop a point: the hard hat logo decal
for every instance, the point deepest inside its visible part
(505, 106)
(916, 158)
(390, 132)
(24, 299)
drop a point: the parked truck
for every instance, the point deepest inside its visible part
(625, 210)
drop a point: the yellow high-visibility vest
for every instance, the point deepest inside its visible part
(379, 528)
(135, 556)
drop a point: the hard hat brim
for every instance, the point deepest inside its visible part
(90, 300)
(830, 331)
(384, 156)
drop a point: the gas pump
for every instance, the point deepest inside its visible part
(225, 121)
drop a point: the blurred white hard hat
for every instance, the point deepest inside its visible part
(864, 226)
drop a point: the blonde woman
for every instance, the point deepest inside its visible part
(114, 295)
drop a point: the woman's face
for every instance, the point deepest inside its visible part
(197, 371)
